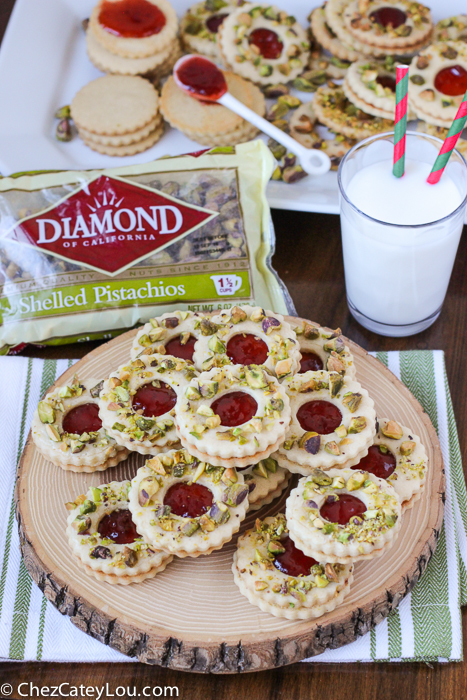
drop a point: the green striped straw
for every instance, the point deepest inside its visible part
(400, 122)
(449, 143)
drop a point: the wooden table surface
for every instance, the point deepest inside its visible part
(309, 260)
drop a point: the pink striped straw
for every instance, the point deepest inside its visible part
(449, 143)
(400, 124)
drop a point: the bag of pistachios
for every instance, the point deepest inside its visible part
(86, 255)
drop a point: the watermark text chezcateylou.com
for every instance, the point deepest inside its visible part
(68, 690)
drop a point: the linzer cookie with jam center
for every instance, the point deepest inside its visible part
(335, 110)
(212, 123)
(451, 29)
(264, 44)
(280, 579)
(104, 539)
(134, 28)
(137, 402)
(398, 456)
(438, 81)
(185, 506)
(371, 86)
(324, 348)
(173, 333)
(67, 430)
(233, 416)
(343, 516)
(265, 481)
(200, 24)
(334, 10)
(248, 335)
(333, 422)
(324, 35)
(396, 26)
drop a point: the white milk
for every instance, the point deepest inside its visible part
(396, 275)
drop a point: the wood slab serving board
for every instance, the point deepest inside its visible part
(191, 616)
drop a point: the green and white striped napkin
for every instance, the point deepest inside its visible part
(425, 627)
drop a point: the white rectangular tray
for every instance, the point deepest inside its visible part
(43, 63)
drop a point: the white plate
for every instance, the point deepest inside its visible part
(43, 63)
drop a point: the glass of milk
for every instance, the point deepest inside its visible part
(399, 235)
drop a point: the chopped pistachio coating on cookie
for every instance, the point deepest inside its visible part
(264, 44)
(233, 416)
(343, 515)
(333, 422)
(174, 333)
(185, 506)
(248, 335)
(398, 456)
(280, 579)
(324, 348)
(137, 402)
(67, 430)
(104, 539)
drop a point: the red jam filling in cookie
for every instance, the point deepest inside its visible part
(340, 509)
(320, 417)
(119, 527)
(247, 349)
(155, 401)
(386, 81)
(379, 462)
(235, 408)
(310, 361)
(82, 419)
(188, 500)
(293, 562)
(214, 22)
(268, 43)
(201, 78)
(386, 16)
(452, 81)
(184, 352)
(131, 18)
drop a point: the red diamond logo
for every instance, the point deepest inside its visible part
(109, 224)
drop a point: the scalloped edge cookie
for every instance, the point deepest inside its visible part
(300, 598)
(195, 536)
(119, 563)
(361, 538)
(94, 453)
(199, 428)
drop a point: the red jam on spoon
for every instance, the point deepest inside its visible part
(188, 500)
(310, 361)
(185, 352)
(119, 527)
(320, 417)
(267, 41)
(341, 510)
(247, 349)
(131, 18)
(200, 77)
(235, 408)
(155, 401)
(214, 22)
(293, 562)
(452, 81)
(82, 419)
(386, 16)
(378, 462)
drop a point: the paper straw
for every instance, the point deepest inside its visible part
(449, 143)
(400, 125)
